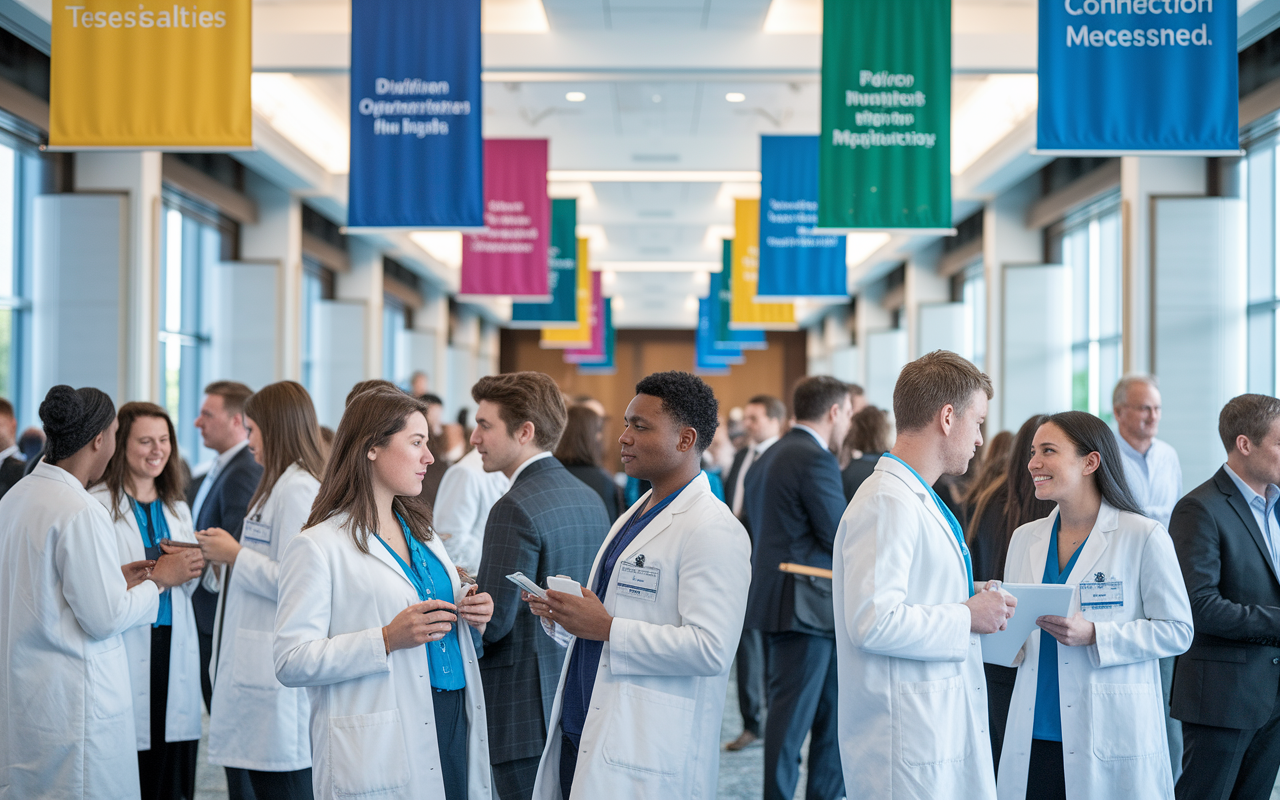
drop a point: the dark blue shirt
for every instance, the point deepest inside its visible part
(1047, 723)
(585, 661)
(154, 527)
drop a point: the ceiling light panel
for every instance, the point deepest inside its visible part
(513, 16)
(305, 117)
(987, 114)
(794, 16)
(443, 246)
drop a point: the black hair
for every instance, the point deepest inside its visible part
(1091, 435)
(688, 400)
(815, 395)
(72, 418)
(431, 399)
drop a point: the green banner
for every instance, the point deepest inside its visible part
(885, 159)
(562, 262)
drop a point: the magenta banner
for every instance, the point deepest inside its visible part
(595, 353)
(509, 257)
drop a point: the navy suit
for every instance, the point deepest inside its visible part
(793, 504)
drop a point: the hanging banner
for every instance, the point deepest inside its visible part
(1154, 76)
(885, 155)
(795, 261)
(706, 360)
(745, 311)
(608, 364)
(721, 296)
(509, 257)
(596, 349)
(416, 155)
(588, 285)
(562, 263)
(128, 74)
(600, 335)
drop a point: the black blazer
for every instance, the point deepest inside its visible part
(858, 470)
(601, 482)
(11, 471)
(1228, 678)
(731, 481)
(794, 503)
(224, 507)
(548, 523)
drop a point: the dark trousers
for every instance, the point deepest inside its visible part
(1000, 682)
(238, 785)
(802, 698)
(451, 739)
(750, 667)
(1046, 774)
(1227, 763)
(568, 765)
(166, 771)
(295, 785)
(514, 780)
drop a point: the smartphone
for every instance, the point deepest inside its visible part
(521, 580)
(174, 543)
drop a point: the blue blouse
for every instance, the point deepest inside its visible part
(444, 657)
(1047, 724)
(154, 527)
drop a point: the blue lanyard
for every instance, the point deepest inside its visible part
(150, 539)
(956, 530)
(418, 556)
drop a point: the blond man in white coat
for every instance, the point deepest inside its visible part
(1087, 716)
(638, 710)
(913, 707)
(68, 730)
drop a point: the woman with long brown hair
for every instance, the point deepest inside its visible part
(581, 450)
(256, 723)
(369, 599)
(142, 488)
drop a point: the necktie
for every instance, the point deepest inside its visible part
(737, 486)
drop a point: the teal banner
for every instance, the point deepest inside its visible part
(721, 296)
(562, 265)
(885, 157)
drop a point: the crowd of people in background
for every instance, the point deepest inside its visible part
(341, 602)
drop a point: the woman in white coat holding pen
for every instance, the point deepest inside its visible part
(369, 622)
(1087, 717)
(256, 723)
(142, 490)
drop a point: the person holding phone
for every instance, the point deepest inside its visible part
(142, 489)
(1087, 716)
(256, 723)
(370, 605)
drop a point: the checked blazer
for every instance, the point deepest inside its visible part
(548, 523)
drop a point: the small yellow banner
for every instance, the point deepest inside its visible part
(139, 74)
(573, 338)
(745, 312)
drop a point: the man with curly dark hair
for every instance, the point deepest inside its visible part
(658, 624)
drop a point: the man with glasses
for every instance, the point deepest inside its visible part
(1154, 475)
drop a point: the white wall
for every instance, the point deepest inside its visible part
(341, 329)
(886, 353)
(1036, 362)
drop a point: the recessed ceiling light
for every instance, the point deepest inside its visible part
(575, 97)
(657, 98)
(735, 97)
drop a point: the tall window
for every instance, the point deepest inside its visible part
(394, 323)
(1088, 243)
(11, 303)
(318, 284)
(972, 291)
(1261, 180)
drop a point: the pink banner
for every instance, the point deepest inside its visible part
(595, 353)
(510, 256)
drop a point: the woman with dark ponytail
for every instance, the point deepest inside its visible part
(64, 603)
(1087, 716)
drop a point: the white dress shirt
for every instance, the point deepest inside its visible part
(1155, 478)
(219, 464)
(527, 462)
(753, 453)
(1264, 513)
(463, 501)
(11, 451)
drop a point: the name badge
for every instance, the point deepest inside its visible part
(638, 583)
(256, 531)
(1101, 595)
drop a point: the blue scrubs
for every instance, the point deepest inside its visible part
(1047, 725)
(152, 524)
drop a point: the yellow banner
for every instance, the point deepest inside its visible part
(745, 312)
(139, 74)
(572, 338)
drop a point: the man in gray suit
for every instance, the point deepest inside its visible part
(548, 523)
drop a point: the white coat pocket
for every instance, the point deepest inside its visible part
(933, 721)
(254, 666)
(637, 709)
(368, 754)
(110, 689)
(1127, 720)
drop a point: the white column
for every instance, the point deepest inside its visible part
(363, 284)
(1037, 342)
(137, 176)
(924, 287)
(1142, 178)
(277, 239)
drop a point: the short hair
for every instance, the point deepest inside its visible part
(934, 380)
(817, 393)
(688, 400)
(234, 394)
(1121, 392)
(6, 408)
(855, 390)
(773, 407)
(1248, 415)
(364, 386)
(432, 399)
(526, 397)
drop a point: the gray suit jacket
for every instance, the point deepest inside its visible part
(548, 523)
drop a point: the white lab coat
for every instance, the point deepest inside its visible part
(67, 730)
(653, 728)
(257, 723)
(372, 714)
(913, 704)
(182, 708)
(1113, 734)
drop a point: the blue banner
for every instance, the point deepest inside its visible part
(562, 264)
(721, 308)
(1138, 75)
(794, 261)
(706, 359)
(416, 152)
